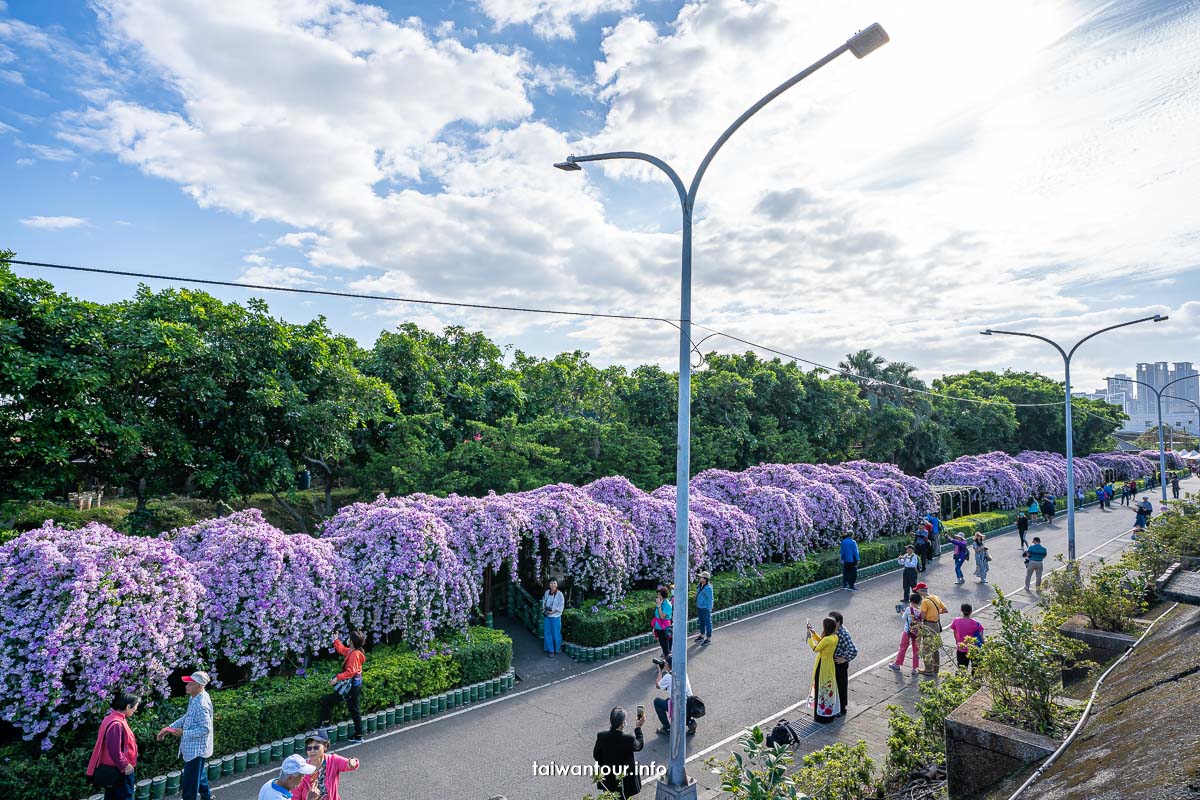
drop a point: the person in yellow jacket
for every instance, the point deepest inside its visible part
(932, 609)
(824, 698)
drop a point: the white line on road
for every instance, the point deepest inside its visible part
(864, 670)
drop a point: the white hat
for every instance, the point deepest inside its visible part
(296, 765)
(200, 678)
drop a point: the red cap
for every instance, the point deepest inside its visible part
(921, 586)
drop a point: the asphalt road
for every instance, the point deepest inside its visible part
(755, 668)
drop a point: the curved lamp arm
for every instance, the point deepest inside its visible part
(636, 156)
(1055, 344)
(1155, 318)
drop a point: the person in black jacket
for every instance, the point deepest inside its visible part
(614, 750)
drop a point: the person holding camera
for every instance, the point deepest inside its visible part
(613, 753)
(663, 705)
(553, 603)
(347, 684)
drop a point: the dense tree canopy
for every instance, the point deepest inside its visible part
(179, 391)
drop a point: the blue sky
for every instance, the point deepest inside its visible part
(1029, 165)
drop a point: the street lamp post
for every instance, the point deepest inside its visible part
(1162, 452)
(1066, 356)
(676, 783)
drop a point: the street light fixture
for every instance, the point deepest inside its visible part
(1067, 406)
(1162, 451)
(676, 783)
(1193, 402)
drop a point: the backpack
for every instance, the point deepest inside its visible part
(695, 707)
(782, 735)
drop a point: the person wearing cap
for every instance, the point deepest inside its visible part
(195, 732)
(323, 783)
(704, 608)
(848, 555)
(291, 772)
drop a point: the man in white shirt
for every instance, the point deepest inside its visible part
(291, 772)
(553, 604)
(662, 705)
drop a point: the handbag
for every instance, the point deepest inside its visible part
(105, 776)
(695, 707)
(342, 687)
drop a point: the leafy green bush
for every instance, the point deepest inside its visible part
(979, 523)
(1109, 595)
(32, 515)
(759, 772)
(596, 623)
(837, 772)
(1021, 665)
(915, 743)
(261, 711)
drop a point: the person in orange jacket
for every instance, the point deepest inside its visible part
(347, 683)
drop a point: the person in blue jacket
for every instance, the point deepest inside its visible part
(704, 608)
(849, 559)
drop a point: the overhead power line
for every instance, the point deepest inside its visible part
(331, 293)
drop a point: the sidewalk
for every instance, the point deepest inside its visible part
(878, 687)
(756, 667)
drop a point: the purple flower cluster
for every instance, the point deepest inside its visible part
(1125, 466)
(730, 534)
(653, 521)
(1010, 482)
(785, 529)
(268, 595)
(579, 537)
(87, 613)
(485, 532)
(1173, 461)
(404, 577)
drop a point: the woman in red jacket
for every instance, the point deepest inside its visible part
(352, 666)
(114, 758)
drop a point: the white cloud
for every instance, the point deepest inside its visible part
(48, 153)
(54, 223)
(551, 19)
(272, 275)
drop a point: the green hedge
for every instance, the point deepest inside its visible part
(595, 624)
(260, 712)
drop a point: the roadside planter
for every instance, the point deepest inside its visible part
(981, 752)
(1077, 628)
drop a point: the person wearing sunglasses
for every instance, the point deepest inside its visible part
(322, 784)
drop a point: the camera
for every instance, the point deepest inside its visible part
(660, 663)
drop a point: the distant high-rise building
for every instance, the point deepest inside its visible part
(1156, 375)
(1120, 390)
(1188, 388)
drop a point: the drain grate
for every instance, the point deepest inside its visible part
(803, 731)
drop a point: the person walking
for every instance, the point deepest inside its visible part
(921, 543)
(961, 554)
(909, 562)
(291, 773)
(849, 558)
(965, 628)
(930, 631)
(323, 782)
(662, 621)
(1051, 508)
(195, 732)
(1035, 510)
(704, 608)
(1125, 494)
(663, 705)
(1175, 487)
(824, 699)
(1144, 510)
(348, 683)
(553, 603)
(114, 757)
(1034, 558)
(909, 636)
(1022, 527)
(616, 766)
(843, 654)
(982, 558)
(1079, 495)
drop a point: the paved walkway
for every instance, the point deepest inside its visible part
(757, 669)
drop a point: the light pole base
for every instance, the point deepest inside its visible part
(665, 791)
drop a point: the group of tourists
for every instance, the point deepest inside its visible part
(315, 776)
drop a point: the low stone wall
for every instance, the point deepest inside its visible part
(1077, 628)
(980, 752)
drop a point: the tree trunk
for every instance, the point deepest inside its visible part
(327, 478)
(141, 495)
(291, 512)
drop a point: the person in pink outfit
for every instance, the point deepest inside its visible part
(912, 626)
(965, 628)
(323, 783)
